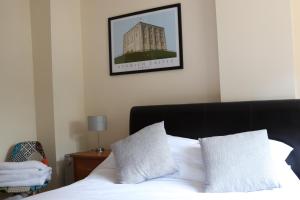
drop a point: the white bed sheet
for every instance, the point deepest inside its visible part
(100, 185)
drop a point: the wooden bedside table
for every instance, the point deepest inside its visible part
(85, 162)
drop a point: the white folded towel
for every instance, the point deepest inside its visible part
(33, 172)
(31, 164)
(28, 173)
(29, 182)
(23, 174)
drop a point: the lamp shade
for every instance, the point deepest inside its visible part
(97, 123)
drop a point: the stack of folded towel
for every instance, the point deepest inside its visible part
(28, 173)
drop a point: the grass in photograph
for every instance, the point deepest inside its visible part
(143, 56)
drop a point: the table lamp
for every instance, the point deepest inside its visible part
(97, 124)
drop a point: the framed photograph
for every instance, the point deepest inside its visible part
(146, 41)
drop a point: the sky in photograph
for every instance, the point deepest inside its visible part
(163, 18)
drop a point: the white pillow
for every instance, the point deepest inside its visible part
(109, 162)
(144, 155)
(287, 176)
(239, 163)
(187, 154)
(280, 151)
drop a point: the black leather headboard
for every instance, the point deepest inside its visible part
(280, 117)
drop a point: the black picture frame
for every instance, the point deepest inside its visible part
(146, 41)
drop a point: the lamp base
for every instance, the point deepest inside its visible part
(99, 149)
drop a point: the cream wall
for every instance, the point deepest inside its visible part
(295, 6)
(17, 113)
(255, 49)
(115, 95)
(68, 83)
(42, 59)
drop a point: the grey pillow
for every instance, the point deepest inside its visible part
(238, 163)
(144, 155)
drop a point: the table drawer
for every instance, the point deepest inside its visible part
(83, 167)
(87, 161)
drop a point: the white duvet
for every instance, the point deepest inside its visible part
(100, 185)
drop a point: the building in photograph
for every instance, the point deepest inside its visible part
(144, 37)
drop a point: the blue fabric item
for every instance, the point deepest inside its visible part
(23, 151)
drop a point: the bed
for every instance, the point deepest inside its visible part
(281, 118)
